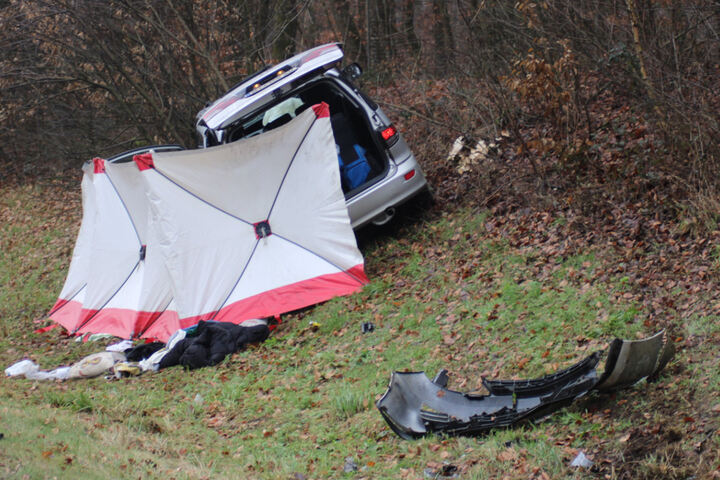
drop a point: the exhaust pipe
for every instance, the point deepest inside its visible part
(384, 217)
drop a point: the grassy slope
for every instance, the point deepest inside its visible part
(444, 293)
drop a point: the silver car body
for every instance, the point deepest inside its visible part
(397, 176)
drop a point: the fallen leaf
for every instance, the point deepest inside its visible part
(507, 455)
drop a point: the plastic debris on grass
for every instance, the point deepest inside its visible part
(414, 406)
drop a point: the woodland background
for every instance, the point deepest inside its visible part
(588, 105)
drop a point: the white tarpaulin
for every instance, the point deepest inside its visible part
(126, 285)
(66, 310)
(251, 229)
(256, 227)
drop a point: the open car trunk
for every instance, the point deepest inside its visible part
(361, 159)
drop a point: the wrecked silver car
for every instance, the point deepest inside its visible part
(377, 168)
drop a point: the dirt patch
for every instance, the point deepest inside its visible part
(654, 452)
(672, 437)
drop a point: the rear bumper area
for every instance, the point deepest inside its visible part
(388, 193)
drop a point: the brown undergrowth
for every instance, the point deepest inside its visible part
(617, 185)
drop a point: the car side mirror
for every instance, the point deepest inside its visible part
(352, 71)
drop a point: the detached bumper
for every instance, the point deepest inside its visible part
(414, 405)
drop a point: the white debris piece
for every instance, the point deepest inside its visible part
(30, 370)
(581, 461)
(21, 368)
(120, 346)
(457, 147)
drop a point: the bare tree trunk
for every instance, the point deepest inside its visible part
(367, 36)
(632, 10)
(344, 19)
(286, 19)
(442, 33)
(406, 11)
(649, 87)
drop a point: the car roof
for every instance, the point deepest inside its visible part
(230, 106)
(128, 155)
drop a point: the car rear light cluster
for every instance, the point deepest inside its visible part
(389, 135)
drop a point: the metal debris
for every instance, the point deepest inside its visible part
(581, 461)
(628, 362)
(414, 405)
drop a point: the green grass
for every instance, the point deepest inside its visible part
(75, 401)
(443, 294)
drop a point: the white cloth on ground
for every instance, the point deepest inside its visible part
(152, 363)
(120, 346)
(31, 371)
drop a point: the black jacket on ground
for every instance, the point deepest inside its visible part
(211, 343)
(143, 351)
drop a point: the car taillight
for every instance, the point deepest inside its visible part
(390, 135)
(409, 175)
